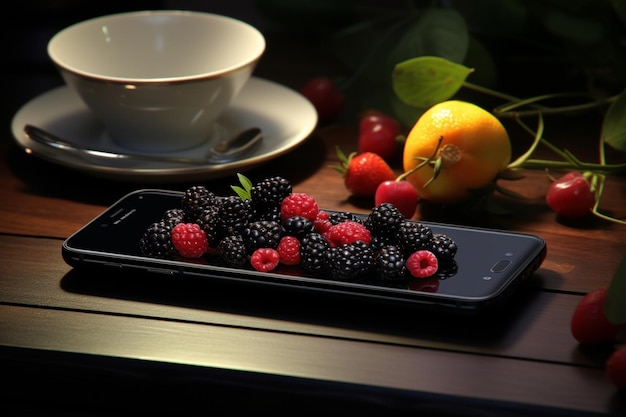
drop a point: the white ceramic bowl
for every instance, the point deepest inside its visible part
(157, 79)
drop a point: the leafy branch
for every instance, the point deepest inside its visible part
(424, 81)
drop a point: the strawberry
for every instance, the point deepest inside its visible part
(363, 172)
(589, 324)
(616, 368)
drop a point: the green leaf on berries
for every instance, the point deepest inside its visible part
(428, 80)
(614, 127)
(243, 191)
(615, 305)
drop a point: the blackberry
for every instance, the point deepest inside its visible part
(443, 247)
(232, 251)
(261, 234)
(234, 214)
(384, 220)
(447, 269)
(174, 216)
(378, 242)
(208, 219)
(270, 191)
(313, 246)
(390, 263)
(297, 226)
(156, 241)
(196, 198)
(264, 212)
(412, 236)
(337, 217)
(350, 261)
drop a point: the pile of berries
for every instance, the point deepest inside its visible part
(267, 226)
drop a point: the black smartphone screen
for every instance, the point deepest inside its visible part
(488, 263)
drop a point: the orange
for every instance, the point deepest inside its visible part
(470, 143)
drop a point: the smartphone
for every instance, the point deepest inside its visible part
(489, 264)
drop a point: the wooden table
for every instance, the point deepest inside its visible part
(105, 343)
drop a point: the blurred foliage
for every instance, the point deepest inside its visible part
(519, 46)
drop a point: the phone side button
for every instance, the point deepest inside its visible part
(112, 265)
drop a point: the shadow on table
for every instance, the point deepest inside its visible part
(307, 306)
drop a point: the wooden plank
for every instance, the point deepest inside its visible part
(385, 366)
(534, 327)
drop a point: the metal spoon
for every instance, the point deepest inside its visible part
(225, 151)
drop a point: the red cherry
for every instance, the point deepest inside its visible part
(373, 117)
(325, 96)
(379, 139)
(589, 324)
(616, 368)
(401, 194)
(570, 196)
(380, 134)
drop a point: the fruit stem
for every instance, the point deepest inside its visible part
(571, 162)
(577, 166)
(425, 161)
(505, 110)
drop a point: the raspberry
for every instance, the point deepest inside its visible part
(422, 264)
(299, 204)
(322, 221)
(264, 259)
(347, 232)
(189, 240)
(289, 250)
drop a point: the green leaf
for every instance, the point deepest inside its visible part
(428, 80)
(615, 305)
(435, 32)
(579, 30)
(246, 185)
(614, 126)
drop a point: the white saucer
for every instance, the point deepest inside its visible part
(285, 117)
